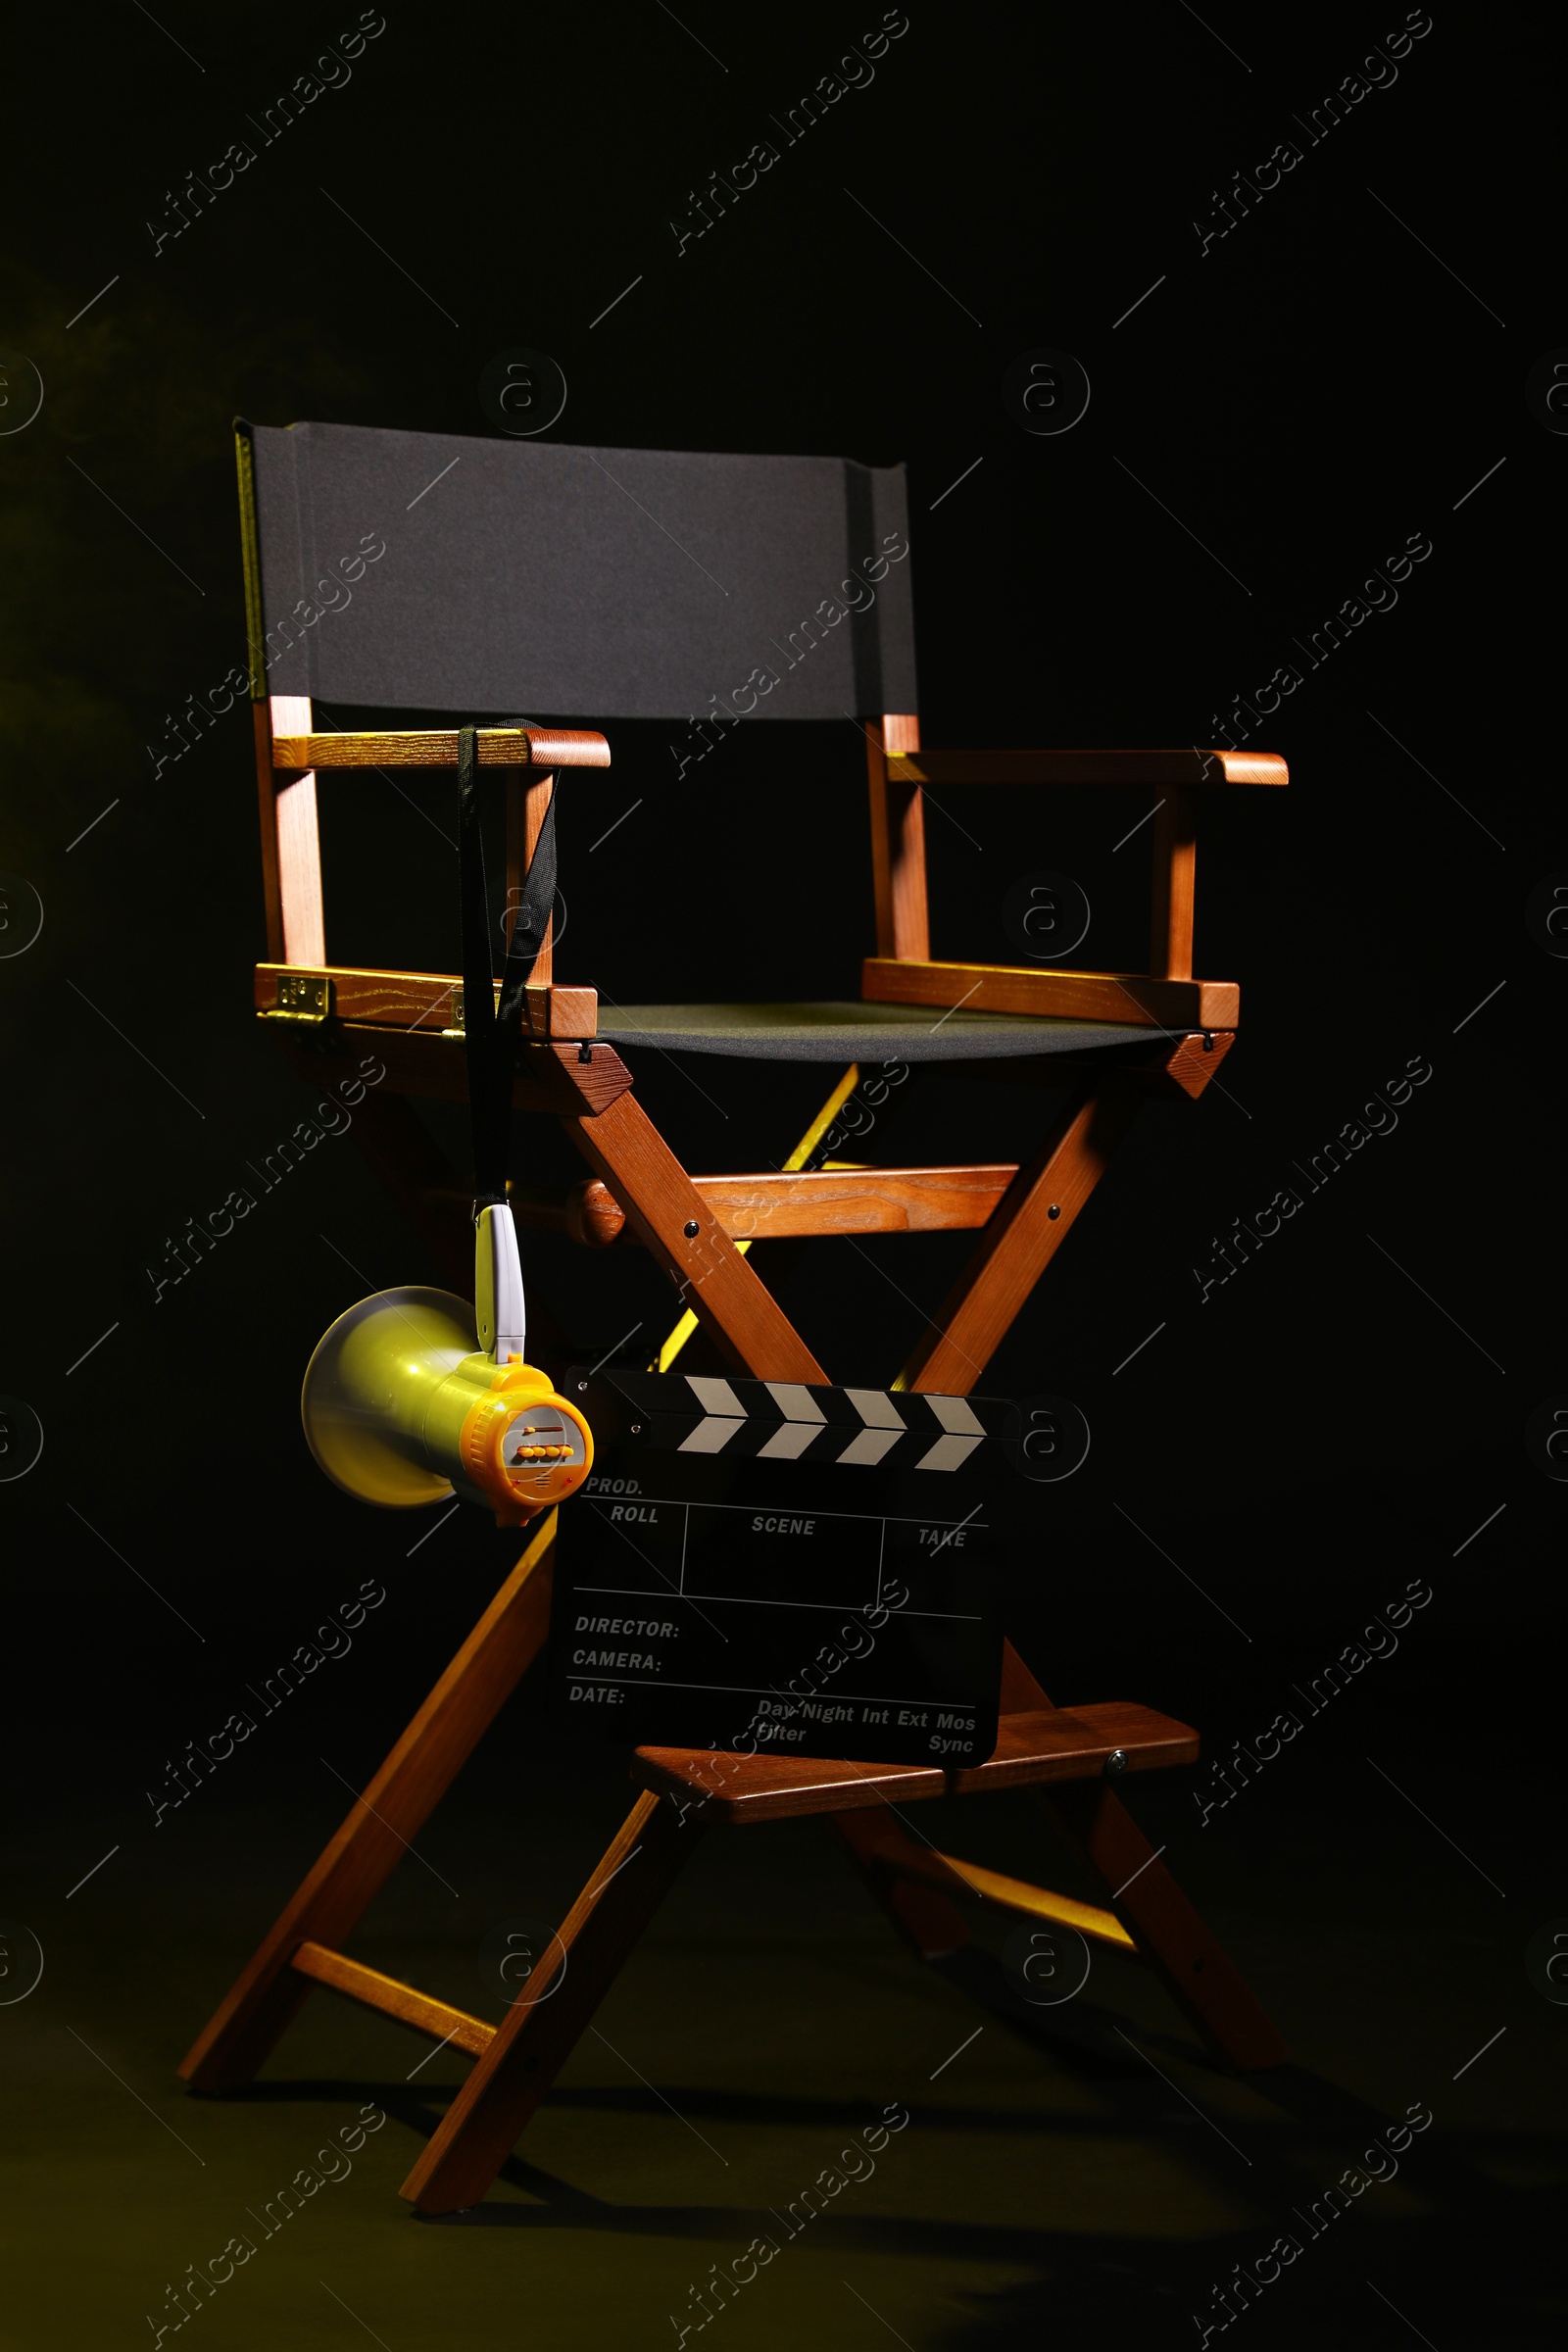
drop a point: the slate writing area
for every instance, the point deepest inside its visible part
(777, 1606)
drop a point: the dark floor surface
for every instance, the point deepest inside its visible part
(1054, 2179)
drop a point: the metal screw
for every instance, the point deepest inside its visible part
(1116, 1761)
(581, 1385)
(1054, 1210)
(689, 1229)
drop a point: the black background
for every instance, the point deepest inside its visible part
(1281, 1459)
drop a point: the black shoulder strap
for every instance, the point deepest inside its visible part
(491, 1031)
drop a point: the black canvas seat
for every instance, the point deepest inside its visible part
(854, 1032)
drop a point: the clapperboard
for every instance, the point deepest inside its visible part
(785, 1570)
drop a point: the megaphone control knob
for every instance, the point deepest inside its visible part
(523, 1466)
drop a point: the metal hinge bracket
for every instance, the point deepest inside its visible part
(302, 996)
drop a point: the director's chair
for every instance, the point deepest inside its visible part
(419, 571)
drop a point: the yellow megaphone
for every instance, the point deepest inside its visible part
(404, 1399)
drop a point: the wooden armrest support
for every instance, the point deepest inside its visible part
(899, 770)
(1088, 768)
(1142, 999)
(497, 746)
(311, 994)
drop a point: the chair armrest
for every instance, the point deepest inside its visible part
(1189, 766)
(903, 972)
(497, 746)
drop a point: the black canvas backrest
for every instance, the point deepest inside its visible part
(427, 571)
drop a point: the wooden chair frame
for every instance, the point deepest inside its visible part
(700, 1228)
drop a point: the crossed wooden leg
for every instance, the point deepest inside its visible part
(375, 1837)
(517, 2062)
(1151, 1919)
(513, 2074)
(1165, 1929)
(481, 2127)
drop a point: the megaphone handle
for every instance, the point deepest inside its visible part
(498, 1303)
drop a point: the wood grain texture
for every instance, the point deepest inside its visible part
(1031, 1749)
(897, 843)
(777, 1207)
(1187, 1069)
(1018, 1243)
(1131, 997)
(404, 2003)
(771, 1208)
(373, 1839)
(299, 873)
(299, 842)
(1167, 1930)
(266, 813)
(529, 795)
(515, 789)
(751, 1330)
(497, 747)
(482, 2126)
(1185, 766)
(537, 793)
(594, 1217)
(427, 1001)
(550, 1010)
(1171, 919)
(588, 1212)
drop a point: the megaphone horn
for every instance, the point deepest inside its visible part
(411, 1396)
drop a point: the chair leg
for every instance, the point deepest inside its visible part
(1168, 1932)
(1026, 1229)
(671, 1219)
(482, 2125)
(372, 1841)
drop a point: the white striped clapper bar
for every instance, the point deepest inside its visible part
(782, 1421)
